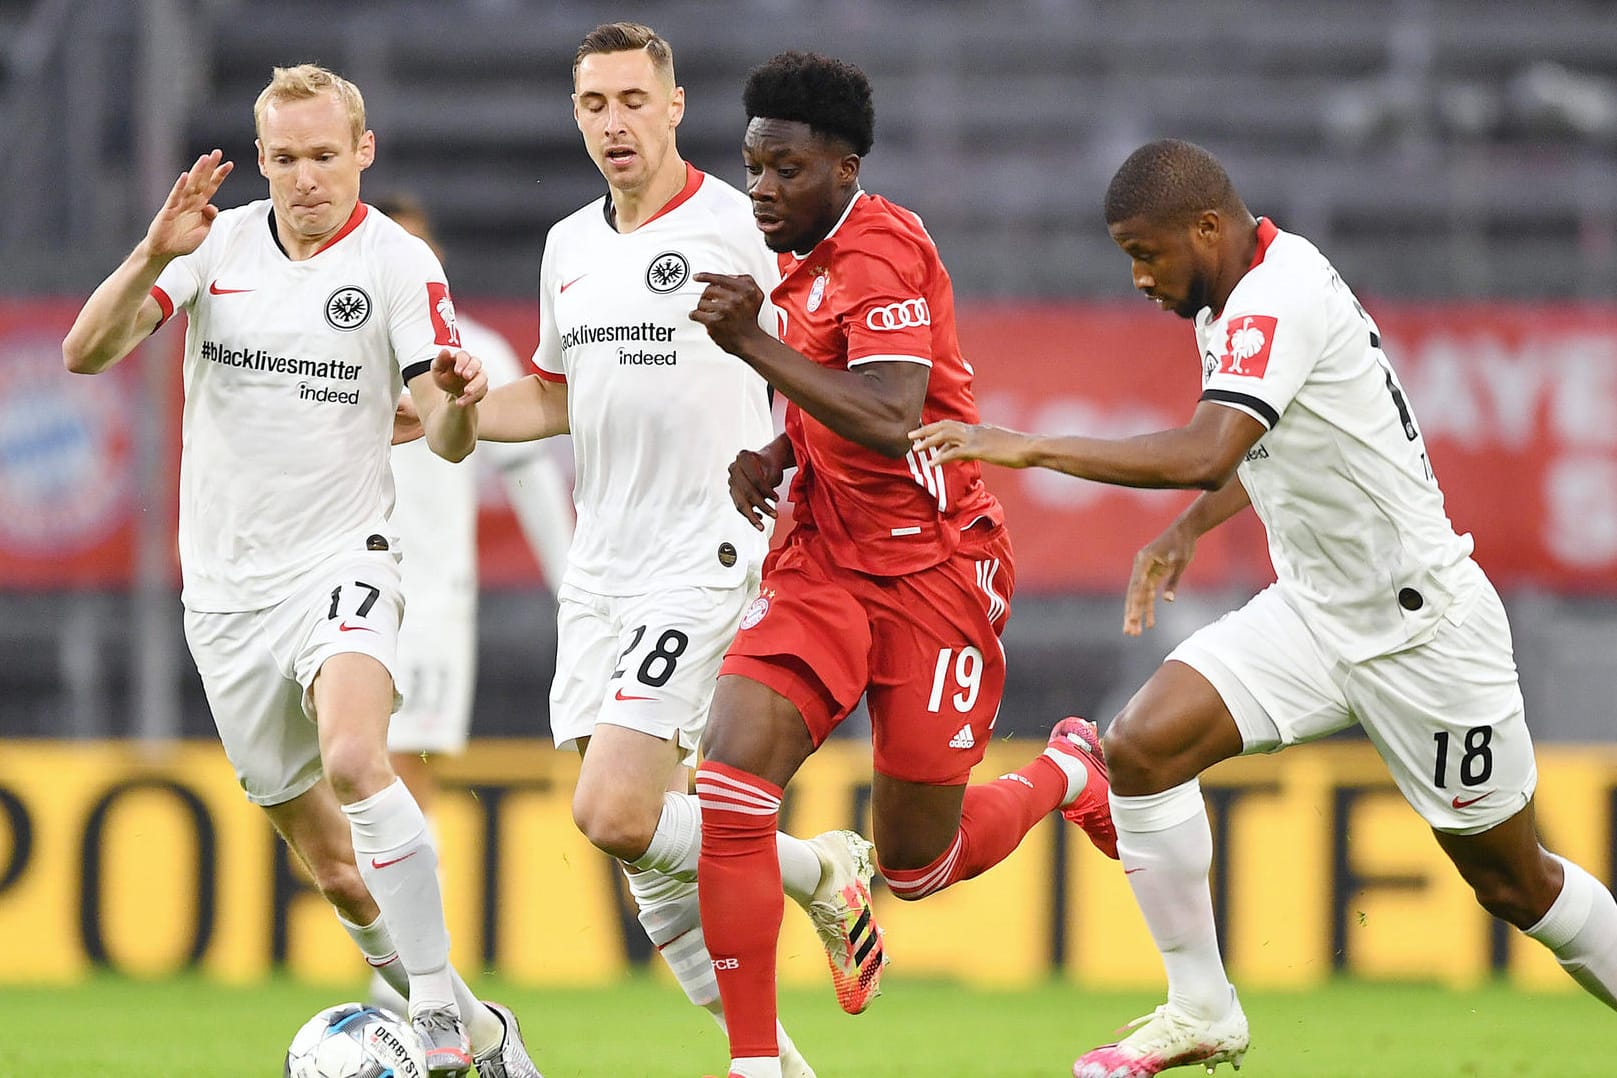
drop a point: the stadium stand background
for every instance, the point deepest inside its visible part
(1435, 149)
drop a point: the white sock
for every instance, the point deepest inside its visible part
(1166, 847)
(377, 947)
(390, 985)
(1072, 767)
(800, 869)
(1580, 929)
(677, 842)
(400, 867)
(756, 1067)
(672, 919)
(484, 1028)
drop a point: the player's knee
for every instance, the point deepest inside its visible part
(1517, 898)
(613, 826)
(355, 771)
(907, 859)
(1505, 899)
(1130, 765)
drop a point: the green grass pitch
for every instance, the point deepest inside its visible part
(926, 1029)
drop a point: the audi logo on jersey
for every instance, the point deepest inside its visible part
(912, 312)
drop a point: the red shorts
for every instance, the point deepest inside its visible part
(924, 647)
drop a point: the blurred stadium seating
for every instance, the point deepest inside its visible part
(1433, 147)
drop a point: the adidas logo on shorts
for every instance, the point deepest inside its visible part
(963, 740)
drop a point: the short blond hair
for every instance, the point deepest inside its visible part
(307, 81)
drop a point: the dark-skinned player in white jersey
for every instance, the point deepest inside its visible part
(1378, 617)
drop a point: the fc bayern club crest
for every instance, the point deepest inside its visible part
(667, 272)
(348, 308)
(816, 292)
(755, 613)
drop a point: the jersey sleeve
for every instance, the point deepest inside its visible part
(182, 279)
(547, 357)
(1263, 351)
(420, 310)
(885, 315)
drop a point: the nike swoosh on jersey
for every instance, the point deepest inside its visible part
(1459, 804)
(572, 282)
(215, 290)
(619, 696)
(347, 628)
(383, 864)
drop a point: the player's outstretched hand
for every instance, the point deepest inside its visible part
(954, 440)
(460, 375)
(187, 214)
(1157, 568)
(754, 478)
(729, 309)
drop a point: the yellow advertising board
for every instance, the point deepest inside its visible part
(150, 861)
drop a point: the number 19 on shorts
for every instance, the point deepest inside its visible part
(957, 676)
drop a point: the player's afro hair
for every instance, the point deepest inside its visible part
(831, 96)
(1169, 180)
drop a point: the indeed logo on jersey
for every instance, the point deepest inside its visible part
(1246, 351)
(644, 332)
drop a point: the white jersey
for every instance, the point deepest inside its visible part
(436, 504)
(292, 371)
(1360, 541)
(657, 410)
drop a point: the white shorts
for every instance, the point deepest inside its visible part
(1446, 714)
(437, 672)
(646, 662)
(258, 666)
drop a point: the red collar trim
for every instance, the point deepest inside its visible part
(1266, 235)
(693, 180)
(352, 223)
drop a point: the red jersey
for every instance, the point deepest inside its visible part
(875, 290)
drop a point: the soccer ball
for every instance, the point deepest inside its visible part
(353, 1040)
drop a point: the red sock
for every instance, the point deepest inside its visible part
(994, 818)
(738, 885)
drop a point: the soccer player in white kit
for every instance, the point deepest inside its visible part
(1379, 616)
(662, 566)
(435, 509)
(307, 313)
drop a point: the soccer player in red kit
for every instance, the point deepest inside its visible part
(896, 579)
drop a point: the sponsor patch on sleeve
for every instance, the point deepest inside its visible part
(1246, 348)
(442, 309)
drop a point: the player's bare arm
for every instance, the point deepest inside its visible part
(1161, 562)
(121, 313)
(1202, 455)
(446, 396)
(954, 440)
(755, 476)
(874, 406)
(406, 420)
(523, 411)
